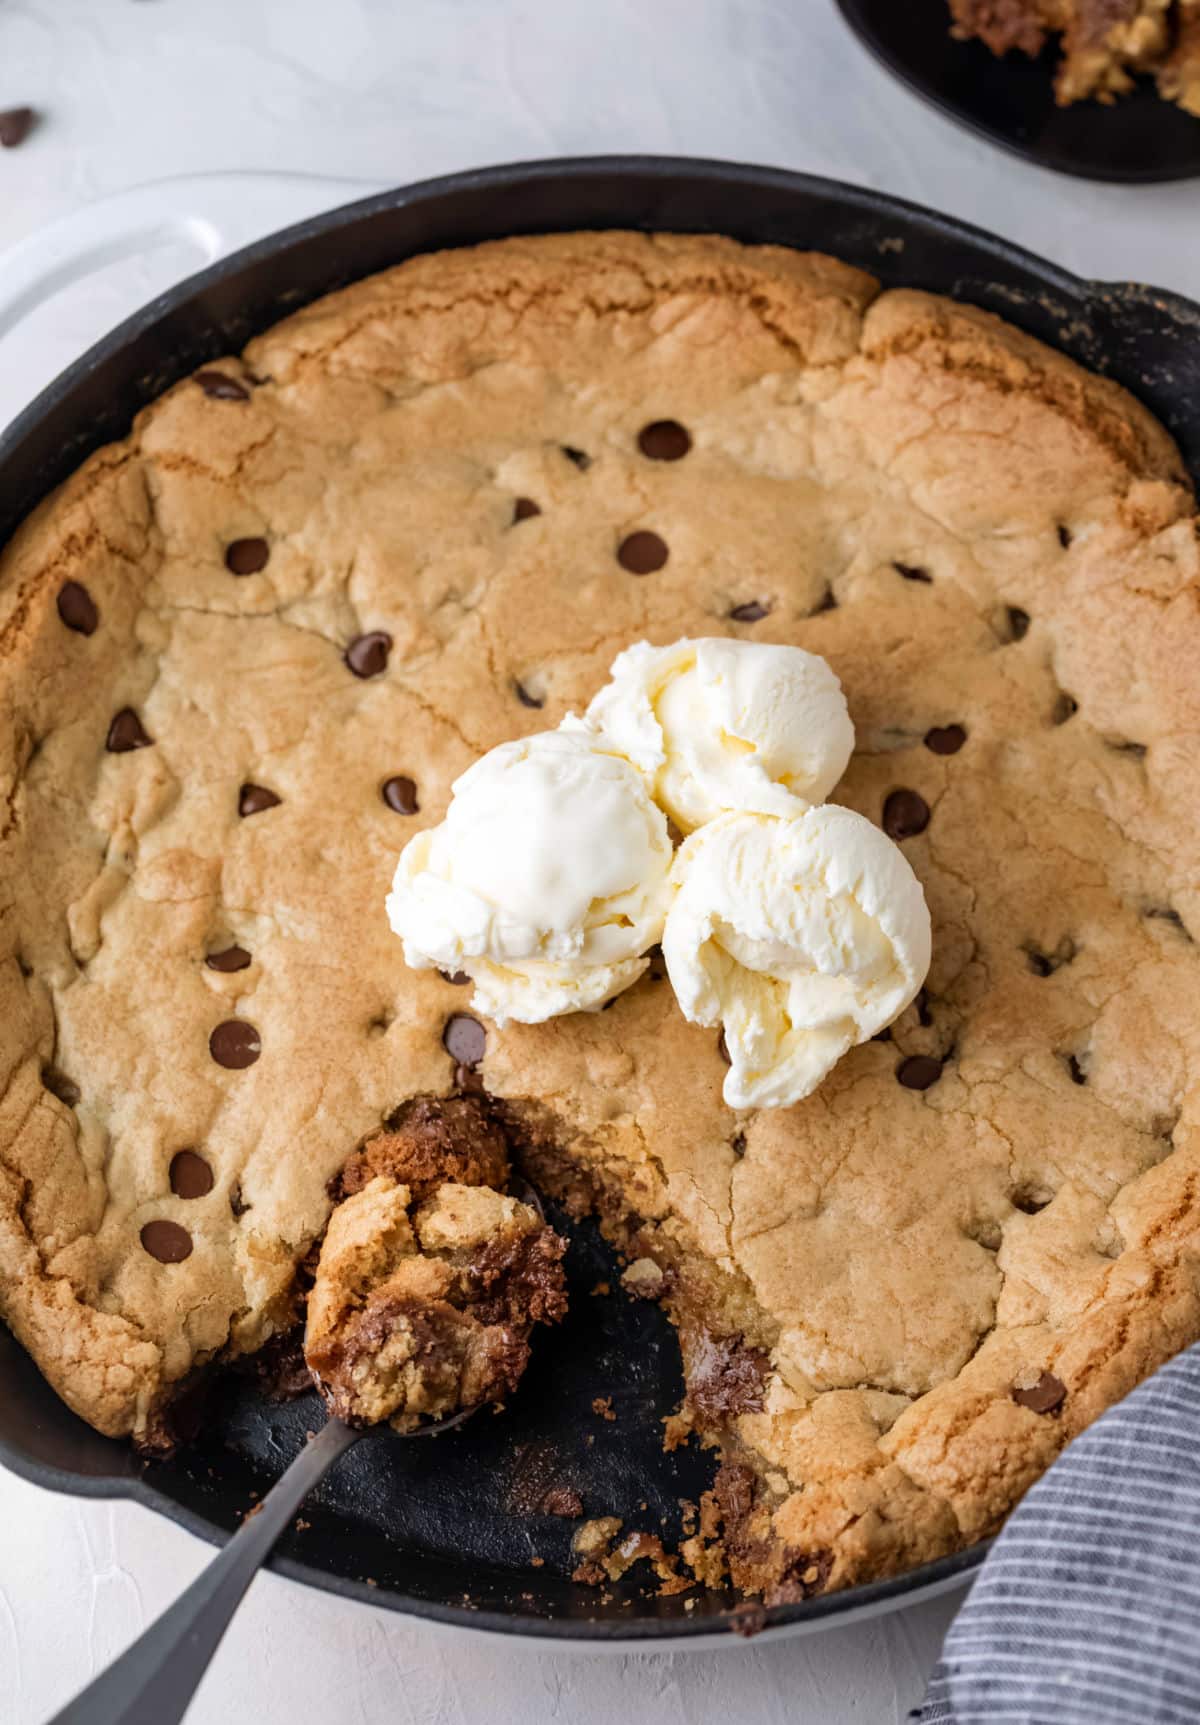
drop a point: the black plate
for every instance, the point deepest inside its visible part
(1137, 140)
(440, 1528)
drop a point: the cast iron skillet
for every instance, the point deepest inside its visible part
(446, 1530)
(1137, 140)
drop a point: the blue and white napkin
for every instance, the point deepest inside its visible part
(1087, 1610)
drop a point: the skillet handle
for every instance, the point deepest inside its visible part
(212, 213)
(153, 1682)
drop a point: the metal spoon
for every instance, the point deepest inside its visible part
(153, 1682)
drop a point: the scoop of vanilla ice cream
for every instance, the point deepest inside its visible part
(547, 881)
(720, 724)
(801, 936)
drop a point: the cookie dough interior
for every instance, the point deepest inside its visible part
(423, 1308)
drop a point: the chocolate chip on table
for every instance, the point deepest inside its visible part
(15, 126)
(190, 1175)
(235, 1044)
(911, 572)
(247, 556)
(127, 732)
(400, 794)
(945, 739)
(456, 978)
(905, 814)
(77, 608)
(464, 1039)
(253, 799)
(1044, 1397)
(167, 1241)
(918, 1071)
(525, 698)
(642, 552)
(221, 387)
(524, 509)
(664, 440)
(367, 655)
(229, 959)
(752, 612)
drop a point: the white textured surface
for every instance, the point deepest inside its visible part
(382, 91)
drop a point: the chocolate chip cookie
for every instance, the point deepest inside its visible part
(243, 655)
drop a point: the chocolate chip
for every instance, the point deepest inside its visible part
(58, 1084)
(456, 978)
(905, 813)
(235, 1044)
(190, 1175)
(1078, 1075)
(167, 1242)
(911, 572)
(1044, 1397)
(945, 739)
(230, 958)
(752, 612)
(1018, 623)
(221, 387)
(247, 556)
(525, 698)
(919, 1071)
(367, 656)
(1064, 536)
(524, 509)
(664, 440)
(1167, 913)
(400, 794)
(253, 799)
(642, 553)
(15, 126)
(1046, 963)
(464, 1039)
(127, 732)
(77, 608)
(580, 457)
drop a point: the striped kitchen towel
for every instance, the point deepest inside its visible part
(1087, 1610)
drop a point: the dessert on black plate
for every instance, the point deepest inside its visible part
(1104, 44)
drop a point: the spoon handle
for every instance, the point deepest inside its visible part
(153, 1682)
